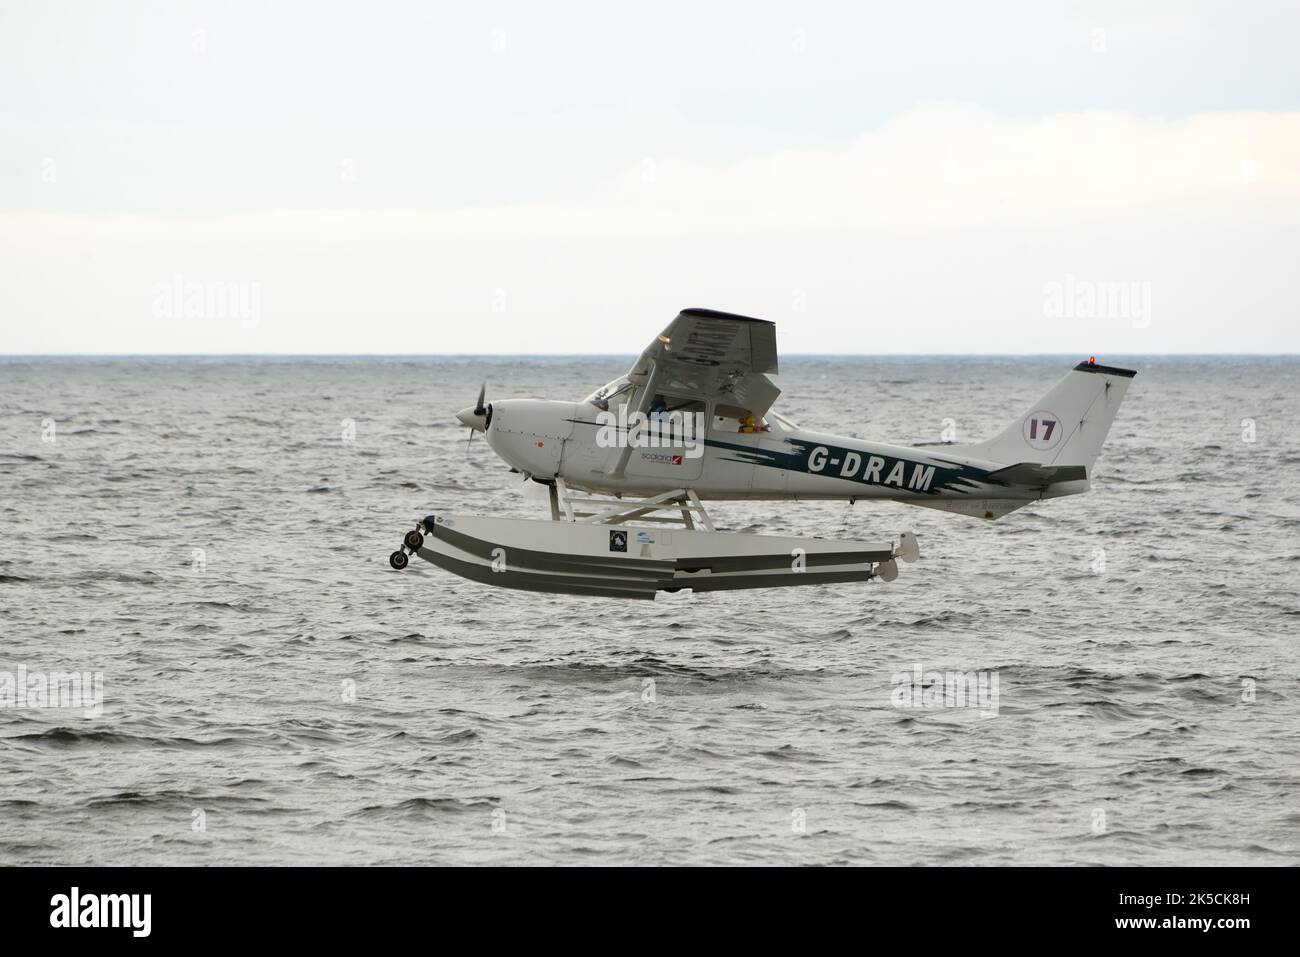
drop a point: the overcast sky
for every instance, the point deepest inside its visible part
(217, 177)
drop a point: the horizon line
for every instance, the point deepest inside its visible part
(608, 355)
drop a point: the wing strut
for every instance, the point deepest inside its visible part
(605, 510)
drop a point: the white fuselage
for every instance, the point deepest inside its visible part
(556, 439)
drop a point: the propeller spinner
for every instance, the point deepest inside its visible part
(479, 417)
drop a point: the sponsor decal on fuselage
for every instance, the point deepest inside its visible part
(661, 458)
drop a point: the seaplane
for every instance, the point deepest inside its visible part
(630, 468)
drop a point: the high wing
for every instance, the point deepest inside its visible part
(704, 354)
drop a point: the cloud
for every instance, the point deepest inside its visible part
(936, 232)
(951, 165)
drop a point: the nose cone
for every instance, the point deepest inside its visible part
(472, 419)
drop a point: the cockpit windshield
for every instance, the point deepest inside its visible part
(610, 391)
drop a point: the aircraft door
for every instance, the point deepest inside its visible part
(670, 443)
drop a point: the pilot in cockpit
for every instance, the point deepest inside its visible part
(748, 423)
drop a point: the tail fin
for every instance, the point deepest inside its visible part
(1067, 426)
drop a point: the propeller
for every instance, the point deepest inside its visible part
(478, 418)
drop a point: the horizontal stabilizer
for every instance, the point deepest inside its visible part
(1039, 476)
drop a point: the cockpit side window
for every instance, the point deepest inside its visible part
(677, 417)
(733, 419)
(663, 405)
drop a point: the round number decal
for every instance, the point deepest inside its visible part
(1042, 430)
